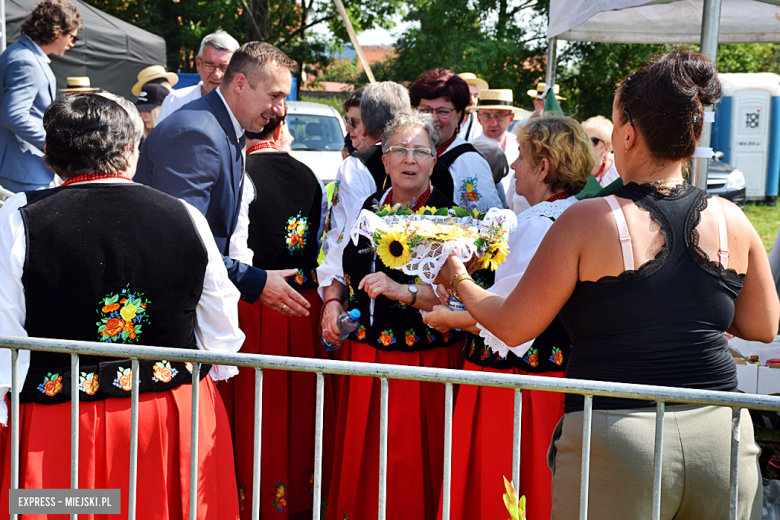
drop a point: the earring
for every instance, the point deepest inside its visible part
(625, 150)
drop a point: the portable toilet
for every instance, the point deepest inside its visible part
(747, 130)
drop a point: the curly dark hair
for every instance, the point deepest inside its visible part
(665, 100)
(48, 18)
(85, 133)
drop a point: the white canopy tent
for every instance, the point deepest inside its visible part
(664, 21)
(707, 22)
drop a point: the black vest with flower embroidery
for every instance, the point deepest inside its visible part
(116, 263)
(284, 219)
(396, 326)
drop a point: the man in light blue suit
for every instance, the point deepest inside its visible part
(28, 88)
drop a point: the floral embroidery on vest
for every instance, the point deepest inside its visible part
(468, 191)
(348, 283)
(361, 332)
(557, 356)
(297, 232)
(52, 384)
(411, 338)
(188, 366)
(314, 275)
(486, 352)
(300, 278)
(121, 317)
(386, 338)
(163, 373)
(532, 357)
(429, 335)
(336, 194)
(280, 502)
(124, 379)
(88, 383)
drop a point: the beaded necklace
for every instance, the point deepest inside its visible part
(85, 177)
(262, 145)
(558, 196)
(418, 203)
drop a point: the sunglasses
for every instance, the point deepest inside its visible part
(75, 39)
(349, 121)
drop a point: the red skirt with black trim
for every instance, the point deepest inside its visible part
(482, 431)
(289, 405)
(415, 445)
(163, 483)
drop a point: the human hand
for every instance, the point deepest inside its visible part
(330, 322)
(443, 294)
(438, 318)
(282, 298)
(452, 267)
(379, 283)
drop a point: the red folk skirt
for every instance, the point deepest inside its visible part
(163, 482)
(289, 405)
(482, 431)
(415, 438)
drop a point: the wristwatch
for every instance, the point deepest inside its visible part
(413, 290)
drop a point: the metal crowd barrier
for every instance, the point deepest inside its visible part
(589, 389)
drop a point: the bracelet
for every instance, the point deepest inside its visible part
(456, 280)
(322, 309)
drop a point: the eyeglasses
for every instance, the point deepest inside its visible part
(625, 103)
(399, 152)
(497, 117)
(595, 141)
(442, 113)
(75, 39)
(211, 67)
(350, 121)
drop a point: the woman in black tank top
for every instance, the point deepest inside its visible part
(701, 270)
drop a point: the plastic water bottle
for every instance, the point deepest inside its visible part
(348, 323)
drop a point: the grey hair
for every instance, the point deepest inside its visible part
(494, 156)
(380, 104)
(135, 117)
(221, 41)
(408, 120)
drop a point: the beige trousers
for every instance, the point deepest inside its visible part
(696, 453)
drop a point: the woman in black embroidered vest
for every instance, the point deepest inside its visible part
(103, 259)
(554, 162)
(285, 223)
(661, 324)
(390, 331)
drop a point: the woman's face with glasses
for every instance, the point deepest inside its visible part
(445, 117)
(409, 160)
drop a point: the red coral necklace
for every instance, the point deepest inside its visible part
(85, 177)
(418, 203)
(558, 196)
(602, 171)
(262, 145)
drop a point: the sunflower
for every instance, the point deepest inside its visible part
(495, 256)
(426, 210)
(393, 250)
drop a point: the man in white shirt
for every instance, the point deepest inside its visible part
(470, 129)
(495, 112)
(212, 60)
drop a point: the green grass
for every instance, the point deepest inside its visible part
(766, 220)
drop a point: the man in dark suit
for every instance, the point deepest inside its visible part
(196, 154)
(28, 88)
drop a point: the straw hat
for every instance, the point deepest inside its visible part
(472, 79)
(497, 99)
(78, 84)
(153, 72)
(539, 91)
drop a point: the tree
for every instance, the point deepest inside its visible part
(502, 43)
(284, 23)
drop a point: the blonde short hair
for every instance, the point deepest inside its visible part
(600, 125)
(565, 145)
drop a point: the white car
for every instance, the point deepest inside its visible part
(319, 137)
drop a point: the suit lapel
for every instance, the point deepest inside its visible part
(27, 42)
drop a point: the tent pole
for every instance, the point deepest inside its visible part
(552, 58)
(353, 38)
(710, 27)
(3, 40)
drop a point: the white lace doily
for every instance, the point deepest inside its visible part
(427, 258)
(551, 210)
(496, 345)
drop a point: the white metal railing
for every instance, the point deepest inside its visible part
(448, 377)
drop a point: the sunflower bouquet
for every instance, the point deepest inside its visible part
(418, 243)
